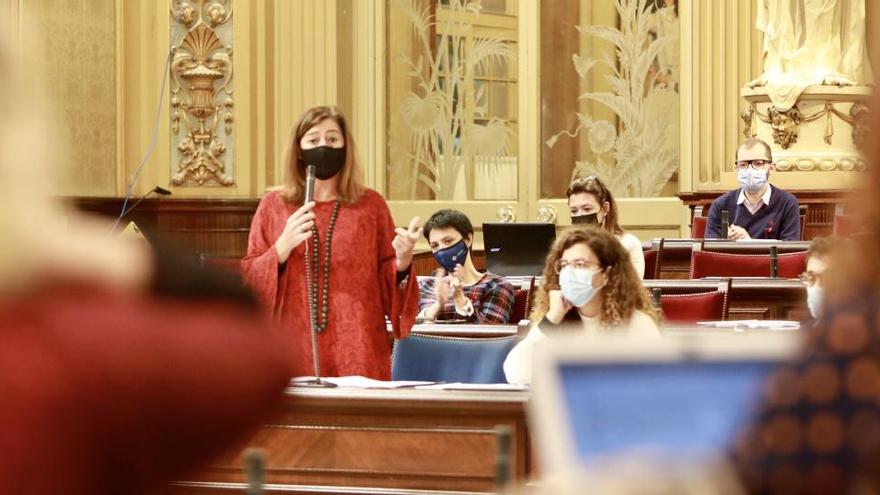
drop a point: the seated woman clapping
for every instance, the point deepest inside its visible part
(459, 291)
(589, 286)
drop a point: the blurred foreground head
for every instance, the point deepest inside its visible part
(40, 240)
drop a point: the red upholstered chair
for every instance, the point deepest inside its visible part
(701, 306)
(650, 264)
(710, 264)
(652, 260)
(698, 227)
(522, 302)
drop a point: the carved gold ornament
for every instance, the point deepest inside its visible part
(202, 93)
(506, 214)
(546, 213)
(784, 123)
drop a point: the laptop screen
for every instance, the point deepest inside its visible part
(517, 249)
(687, 407)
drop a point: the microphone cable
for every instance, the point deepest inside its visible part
(151, 146)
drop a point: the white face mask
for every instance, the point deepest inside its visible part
(577, 285)
(751, 180)
(815, 295)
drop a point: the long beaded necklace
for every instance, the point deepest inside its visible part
(311, 274)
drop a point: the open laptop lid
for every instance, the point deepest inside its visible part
(517, 249)
(594, 399)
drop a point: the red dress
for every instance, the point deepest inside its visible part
(363, 285)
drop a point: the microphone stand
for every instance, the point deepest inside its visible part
(316, 364)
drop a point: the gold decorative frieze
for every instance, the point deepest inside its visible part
(784, 123)
(822, 132)
(202, 94)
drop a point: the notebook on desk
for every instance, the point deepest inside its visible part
(517, 249)
(680, 398)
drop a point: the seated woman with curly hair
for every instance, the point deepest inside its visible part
(588, 285)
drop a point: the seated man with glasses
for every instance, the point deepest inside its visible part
(756, 210)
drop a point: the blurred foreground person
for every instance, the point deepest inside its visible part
(118, 370)
(818, 430)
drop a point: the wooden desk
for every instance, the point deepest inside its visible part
(380, 441)
(750, 298)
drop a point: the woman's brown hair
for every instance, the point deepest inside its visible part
(351, 182)
(621, 296)
(593, 185)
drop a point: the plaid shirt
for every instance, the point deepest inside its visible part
(492, 297)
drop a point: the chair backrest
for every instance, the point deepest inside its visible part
(522, 302)
(710, 264)
(650, 263)
(653, 259)
(698, 227)
(689, 308)
(450, 359)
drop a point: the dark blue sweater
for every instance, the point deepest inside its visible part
(781, 219)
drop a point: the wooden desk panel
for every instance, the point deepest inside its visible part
(385, 439)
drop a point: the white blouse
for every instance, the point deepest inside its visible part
(634, 246)
(518, 365)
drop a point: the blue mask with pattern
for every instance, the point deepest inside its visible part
(454, 255)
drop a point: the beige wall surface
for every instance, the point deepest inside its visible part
(105, 62)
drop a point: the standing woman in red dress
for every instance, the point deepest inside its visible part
(336, 263)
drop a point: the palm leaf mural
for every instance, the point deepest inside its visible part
(641, 158)
(443, 110)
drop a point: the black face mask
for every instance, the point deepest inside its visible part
(588, 219)
(327, 161)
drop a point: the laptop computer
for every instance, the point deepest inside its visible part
(680, 398)
(517, 249)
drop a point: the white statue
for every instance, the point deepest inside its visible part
(810, 42)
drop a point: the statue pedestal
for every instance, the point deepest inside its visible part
(822, 131)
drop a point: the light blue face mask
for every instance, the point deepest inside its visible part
(751, 180)
(577, 285)
(814, 301)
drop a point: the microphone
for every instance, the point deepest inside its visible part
(503, 437)
(725, 223)
(655, 296)
(774, 261)
(310, 184)
(768, 232)
(255, 471)
(157, 190)
(316, 365)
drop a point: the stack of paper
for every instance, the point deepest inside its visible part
(753, 324)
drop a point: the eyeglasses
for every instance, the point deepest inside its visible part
(811, 278)
(755, 164)
(578, 264)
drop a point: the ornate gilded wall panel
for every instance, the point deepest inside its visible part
(202, 99)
